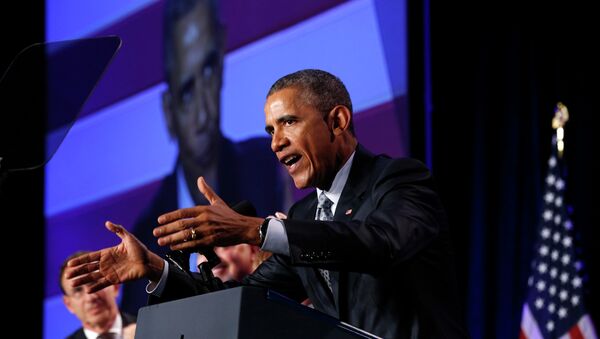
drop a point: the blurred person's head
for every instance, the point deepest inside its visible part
(193, 59)
(237, 261)
(96, 311)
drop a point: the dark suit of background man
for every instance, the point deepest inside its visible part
(194, 46)
(98, 312)
(386, 252)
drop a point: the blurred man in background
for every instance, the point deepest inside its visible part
(98, 312)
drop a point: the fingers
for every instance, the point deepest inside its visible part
(82, 270)
(182, 213)
(88, 275)
(84, 259)
(175, 226)
(208, 192)
(179, 236)
(100, 284)
(116, 229)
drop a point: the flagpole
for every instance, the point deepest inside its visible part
(561, 116)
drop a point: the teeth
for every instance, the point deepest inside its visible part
(290, 159)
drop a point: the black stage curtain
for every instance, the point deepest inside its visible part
(496, 75)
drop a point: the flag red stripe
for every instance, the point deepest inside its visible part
(575, 333)
(522, 334)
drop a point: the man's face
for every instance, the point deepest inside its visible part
(193, 108)
(301, 139)
(94, 310)
(236, 262)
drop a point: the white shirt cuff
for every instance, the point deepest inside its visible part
(276, 240)
(156, 288)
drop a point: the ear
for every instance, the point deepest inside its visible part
(67, 302)
(340, 117)
(167, 106)
(117, 288)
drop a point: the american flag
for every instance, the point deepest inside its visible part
(554, 306)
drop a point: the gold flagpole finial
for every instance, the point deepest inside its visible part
(561, 116)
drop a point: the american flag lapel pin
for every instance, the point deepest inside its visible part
(348, 212)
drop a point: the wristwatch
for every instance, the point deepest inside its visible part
(262, 231)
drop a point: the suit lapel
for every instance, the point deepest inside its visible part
(350, 201)
(353, 194)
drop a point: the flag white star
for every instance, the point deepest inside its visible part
(564, 277)
(563, 295)
(541, 285)
(550, 326)
(562, 312)
(576, 282)
(553, 272)
(575, 300)
(556, 237)
(568, 224)
(567, 241)
(558, 201)
(539, 303)
(545, 234)
(552, 162)
(554, 254)
(552, 290)
(551, 308)
(566, 259)
(549, 197)
(547, 215)
(557, 219)
(560, 184)
(542, 267)
(550, 179)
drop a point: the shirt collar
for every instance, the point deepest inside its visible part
(117, 328)
(184, 198)
(337, 186)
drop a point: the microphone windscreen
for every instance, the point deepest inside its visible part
(245, 207)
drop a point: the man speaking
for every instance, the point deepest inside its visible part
(370, 246)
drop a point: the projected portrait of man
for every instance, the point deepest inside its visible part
(193, 49)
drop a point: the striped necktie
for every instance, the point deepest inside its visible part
(324, 213)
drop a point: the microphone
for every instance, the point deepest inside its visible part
(181, 258)
(243, 207)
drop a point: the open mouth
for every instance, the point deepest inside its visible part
(290, 160)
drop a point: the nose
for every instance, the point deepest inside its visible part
(91, 297)
(278, 141)
(201, 105)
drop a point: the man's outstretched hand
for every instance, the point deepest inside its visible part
(213, 225)
(129, 260)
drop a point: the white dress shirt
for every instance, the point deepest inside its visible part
(117, 329)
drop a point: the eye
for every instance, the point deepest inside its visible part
(289, 122)
(186, 94)
(209, 66)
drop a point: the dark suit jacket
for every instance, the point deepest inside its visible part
(388, 252)
(247, 170)
(127, 319)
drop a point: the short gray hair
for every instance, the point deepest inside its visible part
(320, 89)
